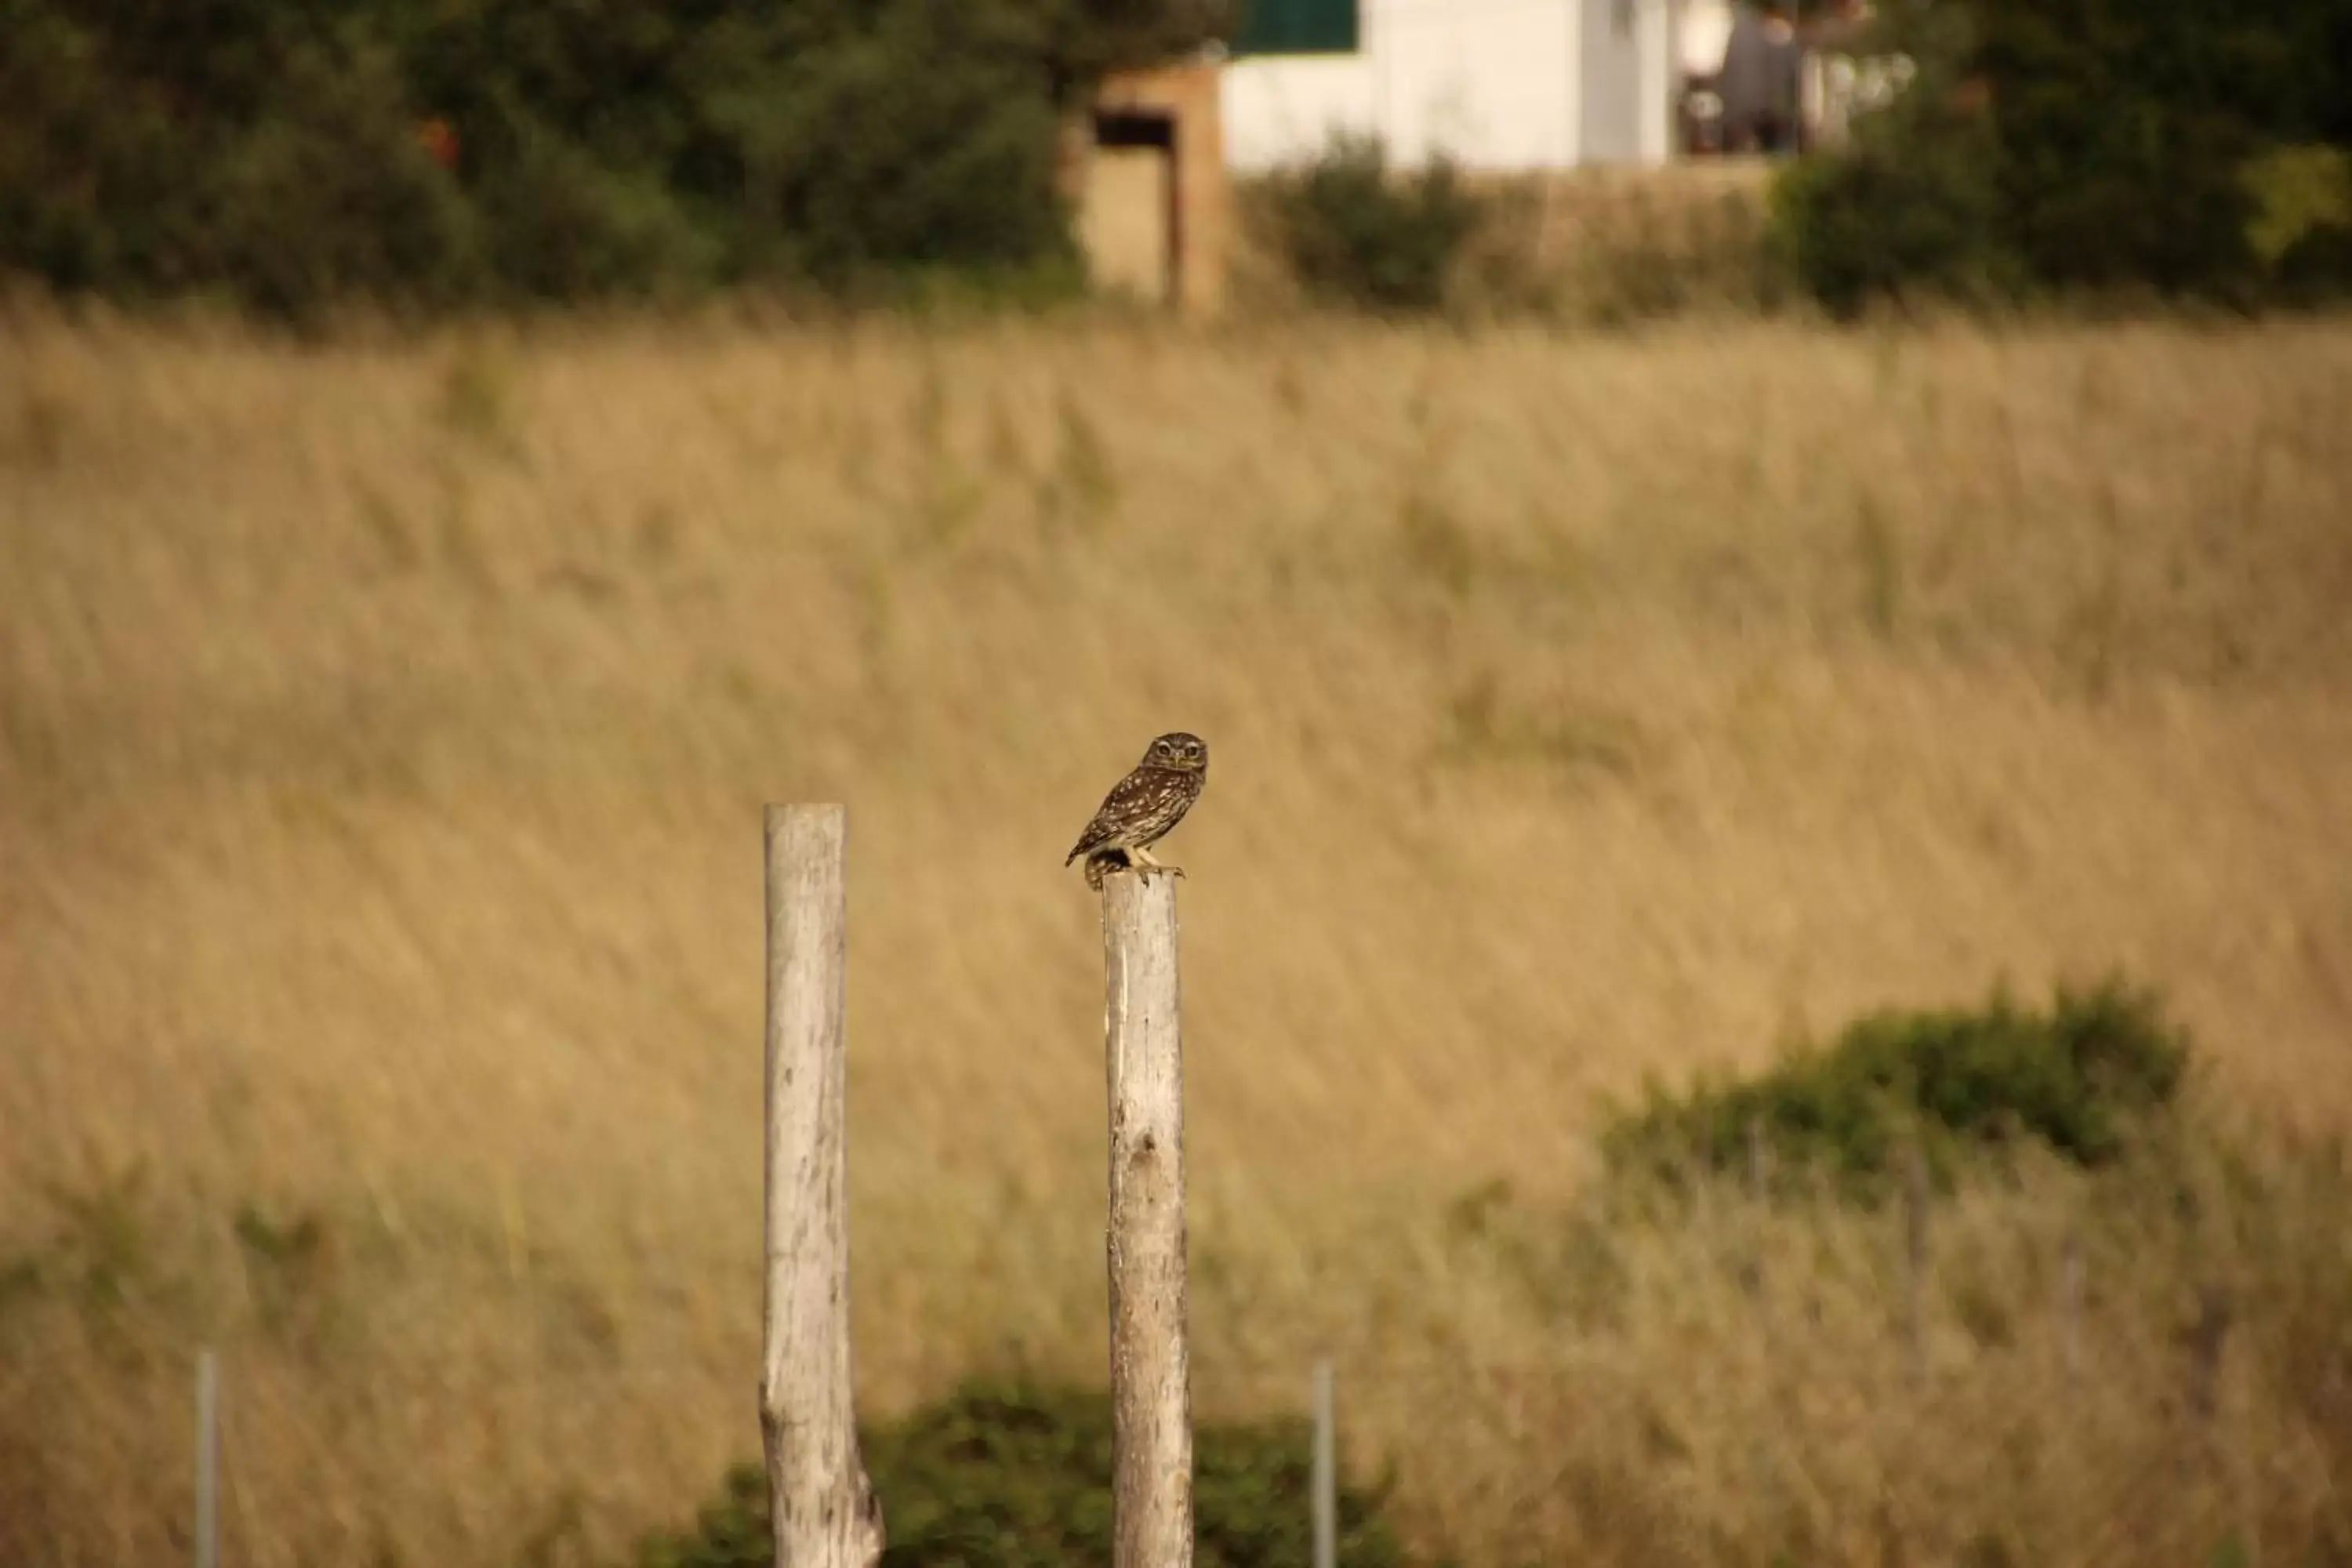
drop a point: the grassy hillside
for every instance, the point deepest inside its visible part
(382, 734)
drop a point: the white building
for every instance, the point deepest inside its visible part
(1496, 84)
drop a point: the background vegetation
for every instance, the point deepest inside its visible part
(290, 157)
(2090, 148)
(2082, 1082)
(1018, 1477)
(383, 725)
(286, 157)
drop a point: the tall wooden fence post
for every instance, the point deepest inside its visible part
(1152, 1415)
(824, 1508)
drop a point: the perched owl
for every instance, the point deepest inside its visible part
(1142, 806)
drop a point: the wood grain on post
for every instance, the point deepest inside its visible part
(824, 1509)
(1152, 1417)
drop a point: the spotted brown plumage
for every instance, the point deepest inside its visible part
(1142, 806)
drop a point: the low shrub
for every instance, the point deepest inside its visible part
(1905, 216)
(1911, 209)
(1018, 1477)
(1654, 259)
(2079, 1079)
(1356, 233)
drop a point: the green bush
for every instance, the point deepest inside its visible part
(1911, 209)
(1015, 1477)
(1900, 218)
(2125, 126)
(2301, 230)
(2079, 1079)
(799, 142)
(274, 161)
(330, 195)
(1652, 260)
(1355, 233)
(2077, 147)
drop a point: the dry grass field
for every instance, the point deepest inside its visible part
(385, 726)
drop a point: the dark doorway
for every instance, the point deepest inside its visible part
(1129, 131)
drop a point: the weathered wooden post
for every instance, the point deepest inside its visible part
(1152, 1415)
(824, 1508)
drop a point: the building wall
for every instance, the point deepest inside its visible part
(1498, 84)
(1612, 109)
(1279, 106)
(1658, 29)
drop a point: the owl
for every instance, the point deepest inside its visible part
(1142, 806)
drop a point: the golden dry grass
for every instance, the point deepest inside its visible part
(383, 729)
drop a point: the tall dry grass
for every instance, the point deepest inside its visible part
(384, 727)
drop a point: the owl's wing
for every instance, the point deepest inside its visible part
(1128, 800)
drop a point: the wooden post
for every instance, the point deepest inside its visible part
(1327, 1472)
(1151, 1416)
(208, 1460)
(823, 1509)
